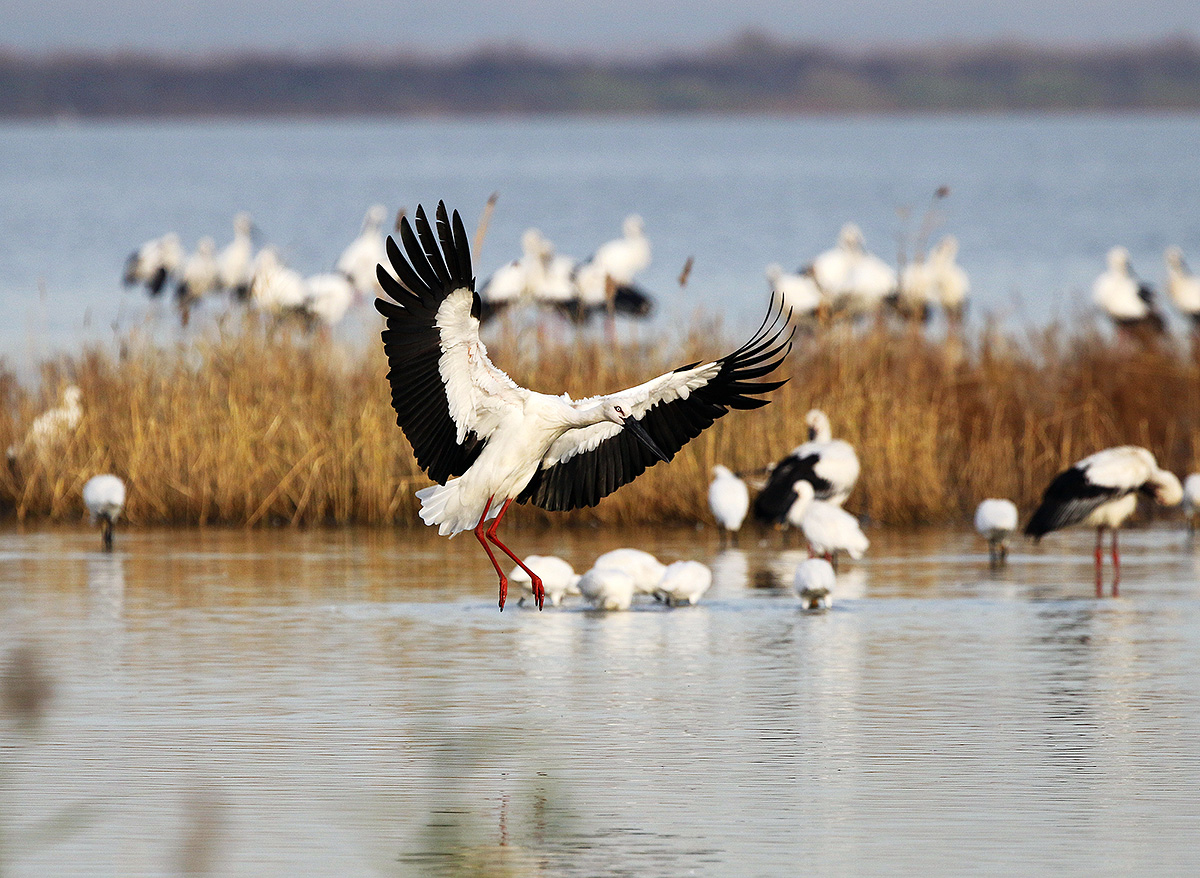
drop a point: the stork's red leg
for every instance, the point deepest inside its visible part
(1099, 562)
(539, 593)
(479, 535)
(1116, 558)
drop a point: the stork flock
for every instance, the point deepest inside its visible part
(487, 442)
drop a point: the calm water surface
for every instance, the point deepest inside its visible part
(345, 703)
(1035, 201)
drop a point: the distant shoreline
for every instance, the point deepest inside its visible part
(750, 75)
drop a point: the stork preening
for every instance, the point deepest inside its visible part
(996, 521)
(104, 497)
(643, 568)
(830, 465)
(1101, 491)
(486, 441)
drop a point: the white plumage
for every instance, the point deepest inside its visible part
(1101, 491)
(800, 292)
(829, 529)
(683, 582)
(199, 276)
(1127, 301)
(155, 263)
(275, 288)
(54, 426)
(327, 298)
(488, 441)
(996, 521)
(235, 264)
(558, 578)
(950, 283)
(830, 465)
(856, 281)
(814, 582)
(607, 588)
(1183, 286)
(104, 497)
(362, 256)
(729, 500)
(643, 568)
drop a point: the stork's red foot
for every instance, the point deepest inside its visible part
(539, 593)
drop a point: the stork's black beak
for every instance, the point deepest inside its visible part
(634, 426)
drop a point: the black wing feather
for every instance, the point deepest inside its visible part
(1069, 499)
(777, 496)
(424, 277)
(586, 478)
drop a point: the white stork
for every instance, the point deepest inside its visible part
(609, 273)
(200, 276)
(104, 497)
(52, 427)
(683, 582)
(951, 285)
(236, 261)
(486, 441)
(814, 582)
(830, 465)
(1183, 286)
(361, 257)
(729, 500)
(799, 291)
(1127, 301)
(829, 529)
(1101, 491)
(996, 521)
(154, 263)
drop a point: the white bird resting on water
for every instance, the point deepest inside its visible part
(829, 529)
(996, 521)
(683, 582)
(729, 500)
(559, 578)
(1101, 491)
(486, 441)
(52, 427)
(830, 465)
(104, 497)
(814, 582)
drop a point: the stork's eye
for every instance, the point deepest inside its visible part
(620, 411)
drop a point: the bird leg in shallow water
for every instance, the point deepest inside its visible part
(1116, 559)
(106, 532)
(539, 593)
(1099, 562)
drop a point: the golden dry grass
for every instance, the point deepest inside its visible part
(245, 427)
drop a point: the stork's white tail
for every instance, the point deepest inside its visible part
(442, 505)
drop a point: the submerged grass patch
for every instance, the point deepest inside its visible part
(245, 426)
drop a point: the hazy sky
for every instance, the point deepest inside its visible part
(600, 27)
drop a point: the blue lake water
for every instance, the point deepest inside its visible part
(1035, 201)
(350, 703)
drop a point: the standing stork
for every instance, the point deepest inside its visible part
(486, 441)
(1101, 491)
(996, 521)
(830, 465)
(729, 500)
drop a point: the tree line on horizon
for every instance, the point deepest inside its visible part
(751, 74)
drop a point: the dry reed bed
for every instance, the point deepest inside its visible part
(244, 427)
